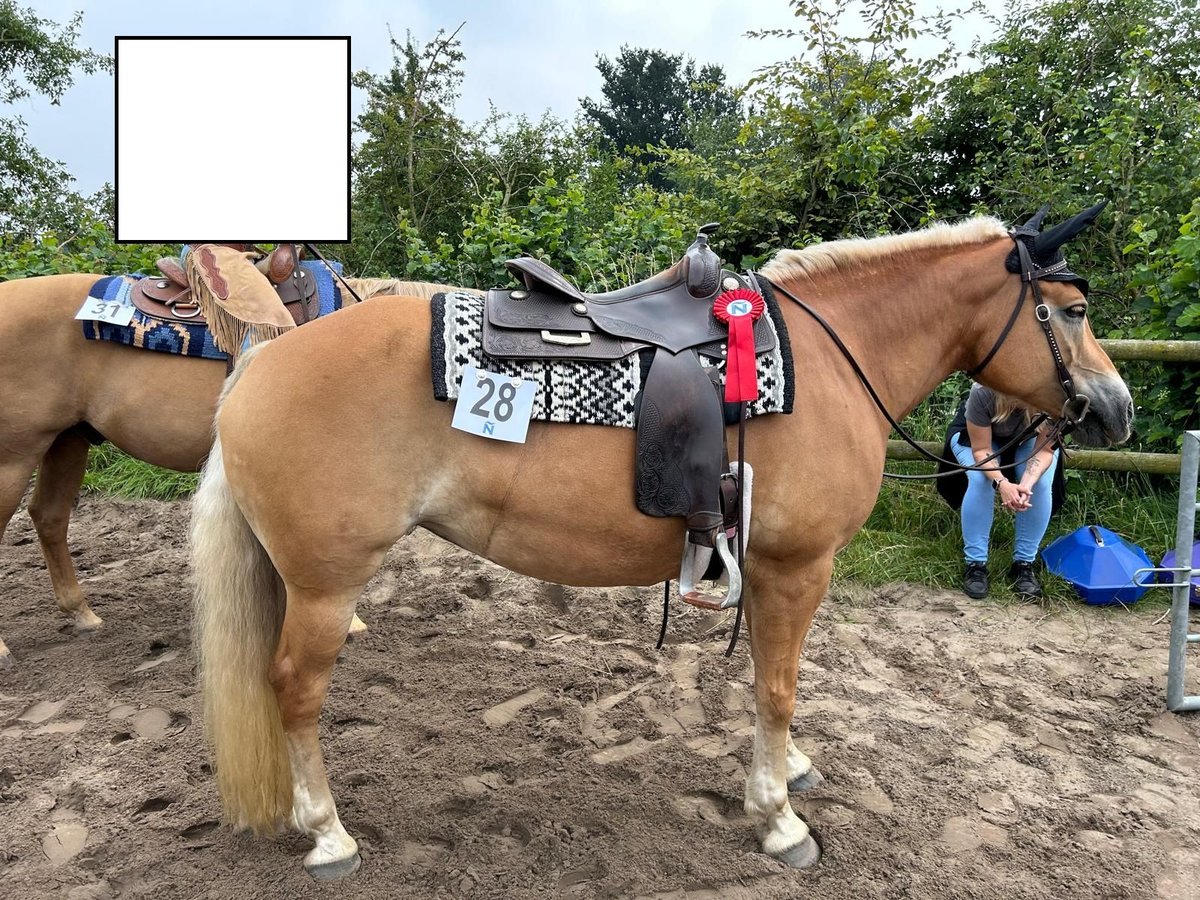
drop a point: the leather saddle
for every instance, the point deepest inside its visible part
(682, 466)
(169, 297)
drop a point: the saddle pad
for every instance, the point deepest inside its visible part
(580, 393)
(183, 339)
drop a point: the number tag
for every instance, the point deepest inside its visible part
(494, 406)
(97, 310)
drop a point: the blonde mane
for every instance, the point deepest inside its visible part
(834, 255)
(375, 287)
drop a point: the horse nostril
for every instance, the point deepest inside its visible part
(1129, 411)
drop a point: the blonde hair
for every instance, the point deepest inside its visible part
(1006, 406)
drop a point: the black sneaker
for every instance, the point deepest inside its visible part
(975, 581)
(1025, 583)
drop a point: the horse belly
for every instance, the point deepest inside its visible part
(157, 407)
(567, 513)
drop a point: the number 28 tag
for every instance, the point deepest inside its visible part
(494, 406)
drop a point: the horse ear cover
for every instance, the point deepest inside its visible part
(1046, 243)
(1035, 221)
(1046, 248)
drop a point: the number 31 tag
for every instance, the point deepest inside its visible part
(494, 406)
(97, 310)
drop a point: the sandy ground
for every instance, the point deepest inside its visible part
(498, 737)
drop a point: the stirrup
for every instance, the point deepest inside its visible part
(687, 586)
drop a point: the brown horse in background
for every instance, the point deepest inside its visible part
(280, 562)
(60, 392)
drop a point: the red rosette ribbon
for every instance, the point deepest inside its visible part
(738, 309)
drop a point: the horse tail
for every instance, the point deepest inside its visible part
(238, 615)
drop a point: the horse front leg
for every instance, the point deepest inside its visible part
(802, 775)
(782, 603)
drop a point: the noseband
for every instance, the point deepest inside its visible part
(1075, 407)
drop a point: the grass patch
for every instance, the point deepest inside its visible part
(116, 474)
(912, 535)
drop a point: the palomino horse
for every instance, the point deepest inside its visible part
(280, 562)
(59, 390)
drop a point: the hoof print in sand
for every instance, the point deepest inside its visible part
(64, 841)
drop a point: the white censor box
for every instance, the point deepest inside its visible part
(232, 139)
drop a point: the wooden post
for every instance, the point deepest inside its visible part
(1104, 460)
(1089, 460)
(1159, 351)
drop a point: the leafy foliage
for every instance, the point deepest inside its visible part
(406, 170)
(1167, 279)
(1074, 99)
(829, 149)
(37, 57)
(90, 248)
(601, 247)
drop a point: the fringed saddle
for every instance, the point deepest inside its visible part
(173, 298)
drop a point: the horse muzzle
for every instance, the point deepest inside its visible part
(1101, 414)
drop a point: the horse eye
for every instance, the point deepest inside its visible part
(1078, 311)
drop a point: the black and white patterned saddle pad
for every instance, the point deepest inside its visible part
(581, 393)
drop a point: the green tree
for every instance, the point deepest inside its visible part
(1074, 99)
(828, 148)
(654, 99)
(407, 170)
(512, 154)
(37, 57)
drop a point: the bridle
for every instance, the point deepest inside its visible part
(1075, 406)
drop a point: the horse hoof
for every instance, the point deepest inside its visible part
(87, 624)
(333, 871)
(805, 854)
(6, 662)
(806, 782)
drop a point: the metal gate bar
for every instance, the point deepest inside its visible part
(1185, 529)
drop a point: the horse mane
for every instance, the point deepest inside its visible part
(830, 256)
(374, 287)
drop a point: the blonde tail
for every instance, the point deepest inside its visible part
(238, 614)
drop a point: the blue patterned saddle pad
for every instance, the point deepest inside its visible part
(183, 339)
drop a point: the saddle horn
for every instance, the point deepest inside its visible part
(1047, 242)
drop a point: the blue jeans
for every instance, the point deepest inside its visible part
(979, 503)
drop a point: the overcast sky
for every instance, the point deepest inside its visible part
(525, 56)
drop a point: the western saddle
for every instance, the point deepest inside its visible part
(682, 466)
(170, 298)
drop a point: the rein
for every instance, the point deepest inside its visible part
(1074, 408)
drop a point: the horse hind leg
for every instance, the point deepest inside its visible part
(314, 631)
(59, 477)
(14, 478)
(266, 651)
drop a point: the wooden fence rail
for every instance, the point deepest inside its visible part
(1104, 460)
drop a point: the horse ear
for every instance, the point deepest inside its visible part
(1047, 242)
(1035, 222)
